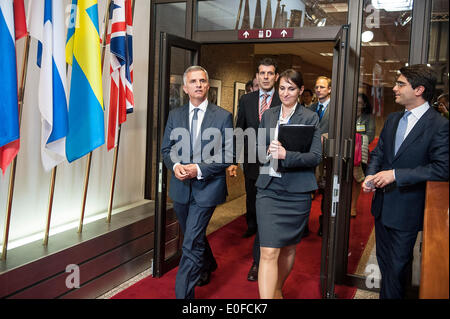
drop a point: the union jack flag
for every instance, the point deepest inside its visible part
(120, 35)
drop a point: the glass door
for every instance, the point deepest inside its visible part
(334, 163)
(175, 55)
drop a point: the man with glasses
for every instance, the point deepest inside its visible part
(412, 149)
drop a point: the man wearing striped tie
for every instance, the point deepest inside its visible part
(412, 149)
(250, 109)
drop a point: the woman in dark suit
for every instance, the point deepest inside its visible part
(283, 201)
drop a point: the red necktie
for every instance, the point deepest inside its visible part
(264, 106)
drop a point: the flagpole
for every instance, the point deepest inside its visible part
(12, 172)
(113, 177)
(50, 206)
(89, 159)
(116, 155)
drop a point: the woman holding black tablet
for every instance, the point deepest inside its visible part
(283, 201)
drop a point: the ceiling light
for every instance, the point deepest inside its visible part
(389, 61)
(367, 36)
(403, 19)
(334, 7)
(375, 44)
(326, 54)
(393, 5)
(322, 22)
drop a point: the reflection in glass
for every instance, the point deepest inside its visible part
(214, 15)
(438, 49)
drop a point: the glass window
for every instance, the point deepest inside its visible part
(385, 42)
(170, 18)
(214, 15)
(438, 49)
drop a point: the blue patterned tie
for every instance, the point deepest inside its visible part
(194, 137)
(319, 111)
(401, 130)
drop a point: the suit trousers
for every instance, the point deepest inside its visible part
(250, 190)
(250, 216)
(196, 252)
(394, 250)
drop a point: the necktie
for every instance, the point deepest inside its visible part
(319, 111)
(194, 137)
(401, 130)
(264, 106)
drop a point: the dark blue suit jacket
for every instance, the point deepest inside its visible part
(423, 156)
(212, 189)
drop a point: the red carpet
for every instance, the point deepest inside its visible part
(233, 254)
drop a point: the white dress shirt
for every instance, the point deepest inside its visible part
(413, 118)
(200, 115)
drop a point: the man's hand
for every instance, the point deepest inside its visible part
(379, 180)
(383, 178)
(191, 170)
(367, 185)
(180, 172)
(232, 170)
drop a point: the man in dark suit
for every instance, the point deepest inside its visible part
(412, 149)
(198, 182)
(250, 109)
(323, 91)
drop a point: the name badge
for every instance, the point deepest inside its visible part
(360, 128)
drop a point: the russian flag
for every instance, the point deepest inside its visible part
(47, 26)
(12, 27)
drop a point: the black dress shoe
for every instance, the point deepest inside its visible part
(205, 278)
(253, 273)
(319, 233)
(250, 232)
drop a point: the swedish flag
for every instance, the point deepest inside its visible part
(86, 124)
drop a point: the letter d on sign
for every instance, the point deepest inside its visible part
(73, 280)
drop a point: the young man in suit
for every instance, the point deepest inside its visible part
(412, 149)
(323, 92)
(198, 182)
(250, 109)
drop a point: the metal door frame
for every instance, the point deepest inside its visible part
(334, 159)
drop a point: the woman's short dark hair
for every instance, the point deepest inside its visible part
(293, 76)
(367, 108)
(421, 75)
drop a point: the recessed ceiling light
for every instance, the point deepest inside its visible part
(393, 5)
(367, 36)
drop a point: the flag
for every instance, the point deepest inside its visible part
(12, 27)
(71, 31)
(47, 26)
(120, 38)
(86, 124)
(19, 19)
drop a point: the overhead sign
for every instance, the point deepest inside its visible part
(266, 34)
